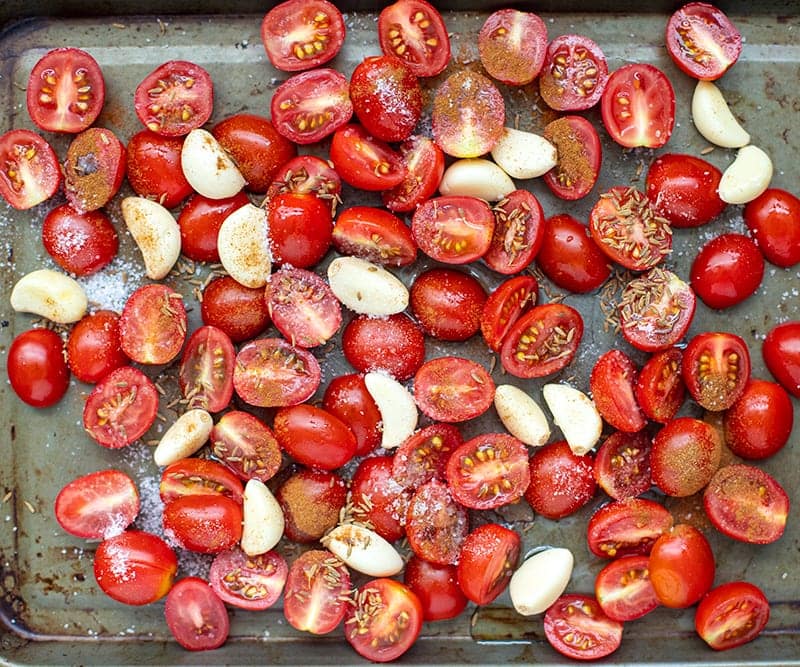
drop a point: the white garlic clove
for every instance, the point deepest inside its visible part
(366, 288)
(476, 177)
(397, 407)
(208, 168)
(714, 120)
(50, 294)
(524, 154)
(746, 177)
(363, 550)
(575, 414)
(521, 415)
(243, 244)
(263, 523)
(540, 580)
(187, 435)
(156, 233)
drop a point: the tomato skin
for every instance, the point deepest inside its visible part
(248, 582)
(436, 523)
(504, 306)
(570, 257)
(716, 369)
(622, 465)
(375, 235)
(623, 589)
(760, 421)
(771, 218)
(731, 614)
(92, 187)
(311, 501)
(436, 587)
(453, 229)
(518, 233)
(202, 523)
(781, 352)
(198, 477)
(612, 383)
(36, 367)
(579, 157)
(206, 370)
(686, 453)
(153, 324)
(489, 556)
(447, 303)
(681, 566)
(347, 397)
(153, 168)
(379, 497)
(314, 437)
(246, 445)
(364, 161)
(504, 55)
(200, 220)
(421, 40)
(300, 229)
(195, 615)
(660, 391)
(79, 243)
(424, 163)
(135, 567)
(30, 172)
(314, 597)
(574, 73)
(727, 270)
(240, 311)
(93, 346)
(627, 527)
(423, 456)
(561, 481)
(576, 627)
(453, 389)
(394, 344)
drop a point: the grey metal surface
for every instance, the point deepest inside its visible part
(51, 606)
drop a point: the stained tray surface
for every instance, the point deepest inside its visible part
(52, 608)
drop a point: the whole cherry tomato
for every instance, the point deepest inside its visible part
(36, 367)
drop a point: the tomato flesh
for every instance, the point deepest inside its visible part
(413, 30)
(29, 169)
(576, 627)
(731, 614)
(196, 616)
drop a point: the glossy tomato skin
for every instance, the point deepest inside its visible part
(36, 367)
(579, 157)
(379, 498)
(504, 55)
(153, 324)
(375, 235)
(93, 348)
(248, 582)
(79, 243)
(135, 567)
(195, 615)
(153, 168)
(681, 566)
(364, 161)
(447, 303)
(92, 188)
(627, 527)
(453, 389)
(561, 481)
(200, 220)
(760, 421)
(436, 523)
(659, 388)
(394, 344)
(570, 257)
(315, 594)
(424, 168)
(30, 172)
(453, 229)
(574, 73)
(206, 524)
(576, 627)
(622, 465)
(727, 270)
(686, 454)
(198, 477)
(300, 229)
(240, 311)
(612, 385)
(311, 501)
(347, 397)
(504, 306)
(314, 437)
(518, 232)
(772, 220)
(731, 614)
(413, 30)
(781, 352)
(489, 556)
(437, 588)
(206, 370)
(716, 369)
(623, 589)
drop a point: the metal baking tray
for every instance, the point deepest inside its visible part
(51, 610)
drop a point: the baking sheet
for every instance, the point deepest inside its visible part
(52, 608)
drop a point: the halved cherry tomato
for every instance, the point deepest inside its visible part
(771, 218)
(248, 582)
(307, 175)
(561, 481)
(239, 311)
(612, 385)
(638, 106)
(65, 91)
(29, 169)
(424, 163)
(623, 589)
(570, 257)
(206, 371)
(200, 220)
(204, 523)
(195, 615)
(512, 46)
(686, 453)
(716, 369)
(194, 476)
(436, 524)
(36, 367)
(93, 347)
(453, 229)
(626, 527)
(314, 437)
(504, 306)
(152, 326)
(579, 157)
(727, 270)
(489, 556)
(518, 233)
(378, 498)
(488, 471)
(622, 465)
(576, 627)
(375, 235)
(542, 341)
(94, 169)
(300, 228)
(447, 303)
(311, 501)
(315, 596)
(395, 344)
(423, 456)
(347, 397)
(760, 421)
(312, 105)
(175, 98)
(436, 587)
(453, 389)
(153, 168)
(413, 30)
(781, 352)
(574, 73)
(702, 41)
(246, 445)
(364, 161)
(660, 391)
(97, 506)
(731, 614)
(681, 566)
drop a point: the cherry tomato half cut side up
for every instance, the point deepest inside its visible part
(436, 523)
(424, 163)
(574, 75)
(716, 369)
(413, 30)
(29, 169)
(622, 465)
(36, 367)
(623, 589)
(512, 46)
(206, 370)
(685, 455)
(453, 229)
(504, 306)
(90, 188)
(195, 615)
(731, 614)
(660, 391)
(423, 456)
(375, 235)
(579, 157)
(198, 477)
(489, 556)
(626, 527)
(246, 445)
(612, 385)
(576, 627)
(453, 389)
(311, 501)
(248, 582)
(153, 324)
(518, 233)
(364, 161)
(315, 594)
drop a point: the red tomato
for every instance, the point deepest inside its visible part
(685, 455)
(638, 106)
(198, 477)
(624, 227)
(612, 384)
(153, 168)
(576, 627)
(512, 46)
(302, 307)
(206, 371)
(378, 498)
(94, 169)
(314, 437)
(65, 91)
(36, 367)
(195, 615)
(543, 341)
(246, 445)
(436, 587)
(504, 306)
(731, 614)
(579, 157)
(152, 326)
(301, 34)
(300, 229)
(307, 175)
(135, 567)
(394, 344)
(570, 257)
(727, 270)
(574, 73)
(312, 105)
(681, 566)
(453, 229)
(423, 456)
(660, 391)
(518, 233)
(436, 524)
(469, 114)
(683, 189)
(622, 465)
(716, 369)
(489, 556)
(240, 311)
(347, 397)
(248, 582)
(200, 220)
(626, 527)
(204, 523)
(311, 501)
(315, 595)
(29, 169)
(424, 163)
(760, 421)
(623, 589)
(269, 372)
(655, 310)
(387, 98)
(97, 506)
(453, 389)
(365, 162)
(781, 352)
(561, 481)
(447, 303)
(79, 243)
(93, 346)
(746, 504)
(385, 620)
(413, 30)
(375, 235)
(121, 407)
(702, 41)
(772, 220)
(175, 98)
(488, 471)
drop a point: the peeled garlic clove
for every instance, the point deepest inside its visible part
(397, 407)
(50, 294)
(575, 414)
(476, 177)
(714, 120)
(524, 154)
(540, 580)
(156, 233)
(188, 434)
(208, 168)
(243, 245)
(366, 288)
(262, 527)
(363, 550)
(746, 177)
(521, 415)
